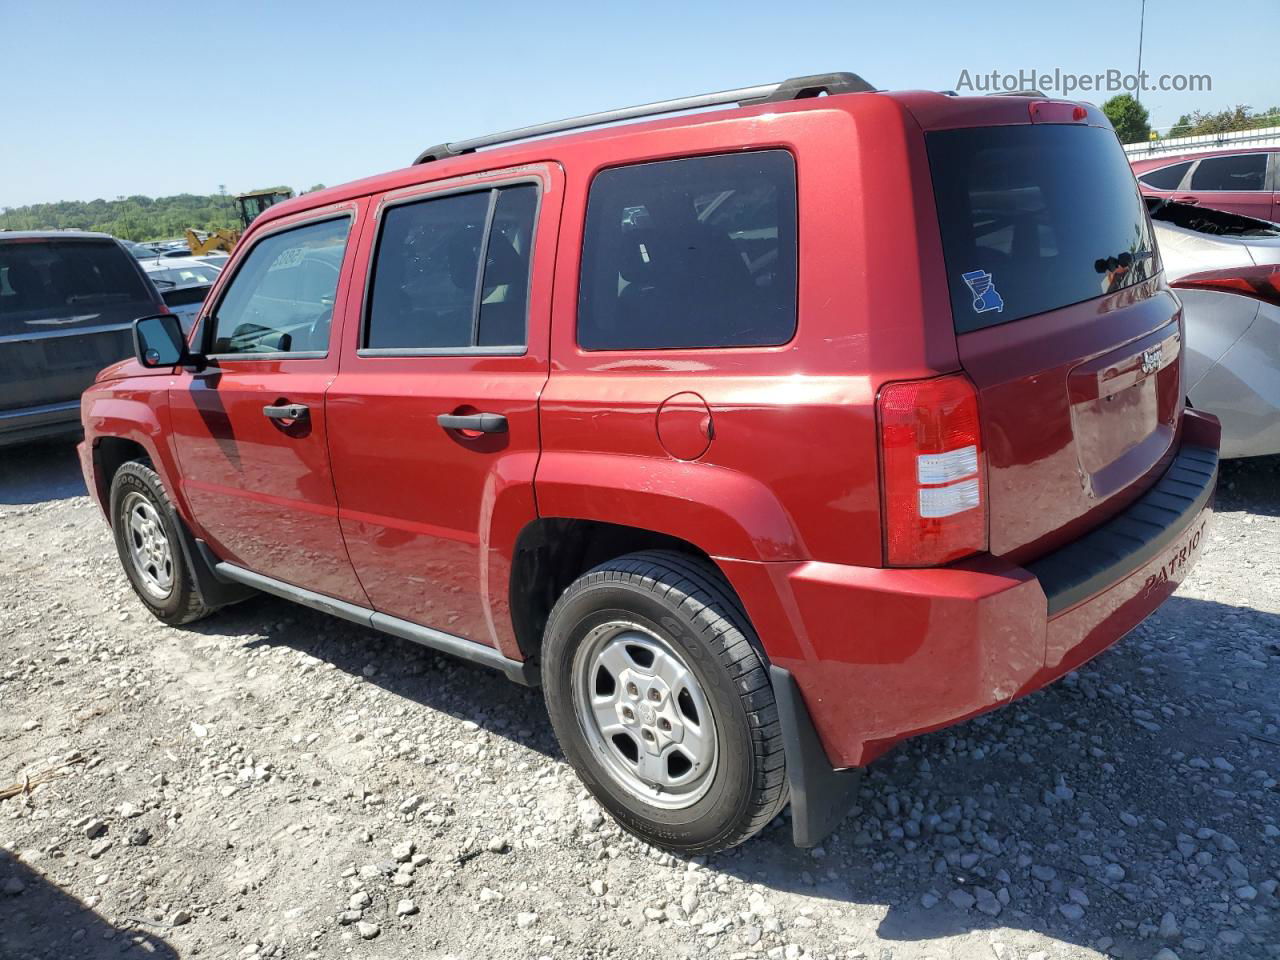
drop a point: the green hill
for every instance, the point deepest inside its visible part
(133, 218)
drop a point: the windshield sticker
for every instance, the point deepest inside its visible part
(984, 293)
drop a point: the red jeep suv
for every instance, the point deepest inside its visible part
(761, 438)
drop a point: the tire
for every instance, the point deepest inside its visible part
(702, 726)
(145, 527)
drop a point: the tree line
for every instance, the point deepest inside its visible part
(132, 218)
(1133, 124)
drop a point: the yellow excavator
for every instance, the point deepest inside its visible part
(250, 206)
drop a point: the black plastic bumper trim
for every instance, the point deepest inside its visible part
(1123, 544)
(820, 795)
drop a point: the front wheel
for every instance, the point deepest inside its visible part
(146, 536)
(662, 702)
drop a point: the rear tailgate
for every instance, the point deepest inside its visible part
(66, 311)
(1062, 322)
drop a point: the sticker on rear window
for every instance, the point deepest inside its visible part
(985, 297)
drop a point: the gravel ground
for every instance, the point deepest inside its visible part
(273, 783)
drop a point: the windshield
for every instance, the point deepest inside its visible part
(1035, 217)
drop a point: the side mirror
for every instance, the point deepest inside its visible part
(158, 341)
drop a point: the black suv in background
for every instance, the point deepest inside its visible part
(67, 305)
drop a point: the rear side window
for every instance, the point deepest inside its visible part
(1035, 217)
(452, 273)
(1247, 172)
(60, 284)
(1166, 178)
(698, 252)
(281, 298)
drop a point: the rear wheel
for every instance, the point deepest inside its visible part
(146, 536)
(662, 702)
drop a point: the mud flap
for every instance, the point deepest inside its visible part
(820, 794)
(214, 591)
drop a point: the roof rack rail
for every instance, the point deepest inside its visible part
(796, 88)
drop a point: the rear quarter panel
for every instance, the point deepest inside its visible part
(791, 471)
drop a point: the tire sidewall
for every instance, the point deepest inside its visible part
(137, 478)
(716, 814)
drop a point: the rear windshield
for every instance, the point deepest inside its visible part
(1035, 217)
(52, 285)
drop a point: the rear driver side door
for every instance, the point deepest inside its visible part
(435, 410)
(250, 429)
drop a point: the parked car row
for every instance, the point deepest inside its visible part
(183, 282)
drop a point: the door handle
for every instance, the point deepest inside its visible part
(287, 411)
(1191, 200)
(479, 422)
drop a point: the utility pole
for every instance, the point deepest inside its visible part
(1142, 22)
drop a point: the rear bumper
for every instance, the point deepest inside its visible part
(880, 655)
(36, 423)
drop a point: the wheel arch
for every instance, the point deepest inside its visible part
(552, 552)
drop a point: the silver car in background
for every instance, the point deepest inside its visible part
(1226, 269)
(183, 282)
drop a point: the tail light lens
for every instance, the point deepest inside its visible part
(1261, 282)
(934, 472)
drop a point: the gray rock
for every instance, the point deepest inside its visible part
(526, 920)
(368, 930)
(1072, 911)
(406, 908)
(987, 902)
(962, 899)
(403, 852)
(13, 886)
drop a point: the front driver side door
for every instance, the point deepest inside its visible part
(250, 430)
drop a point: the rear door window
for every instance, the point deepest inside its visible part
(452, 273)
(1244, 172)
(58, 285)
(697, 252)
(1166, 178)
(1034, 218)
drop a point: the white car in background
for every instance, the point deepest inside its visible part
(183, 282)
(1226, 269)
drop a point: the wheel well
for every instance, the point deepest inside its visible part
(109, 455)
(553, 552)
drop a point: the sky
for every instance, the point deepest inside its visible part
(108, 99)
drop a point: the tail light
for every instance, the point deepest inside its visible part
(934, 472)
(1260, 282)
